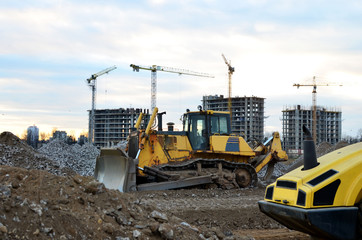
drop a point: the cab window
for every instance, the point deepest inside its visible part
(219, 124)
(198, 132)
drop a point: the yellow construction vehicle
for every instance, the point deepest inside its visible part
(204, 153)
(323, 198)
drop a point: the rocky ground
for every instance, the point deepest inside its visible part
(50, 194)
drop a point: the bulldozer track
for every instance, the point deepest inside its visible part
(211, 163)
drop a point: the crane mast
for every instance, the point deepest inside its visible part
(314, 102)
(230, 73)
(155, 68)
(92, 83)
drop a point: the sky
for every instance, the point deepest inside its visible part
(49, 49)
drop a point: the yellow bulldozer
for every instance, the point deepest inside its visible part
(204, 153)
(323, 198)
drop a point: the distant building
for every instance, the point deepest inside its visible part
(82, 140)
(33, 136)
(247, 114)
(329, 126)
(114, 125)
(62, 135)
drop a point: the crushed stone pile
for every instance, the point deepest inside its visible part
(38, 205)
(81, 159)
(17, 153)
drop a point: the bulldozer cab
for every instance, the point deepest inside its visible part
(199, 126)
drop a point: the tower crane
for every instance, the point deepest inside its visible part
(155, 68)
(92, 83)
(314, 100)
(230, 71)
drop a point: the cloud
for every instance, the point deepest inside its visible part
(51, 48)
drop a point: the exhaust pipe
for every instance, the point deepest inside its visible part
(310, 156)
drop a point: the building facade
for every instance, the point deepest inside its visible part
(32, 137)
(328, 126)
(113, 125)
(247, 114)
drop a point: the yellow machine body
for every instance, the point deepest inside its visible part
(161, 149)
(206, 135)
(322, 201)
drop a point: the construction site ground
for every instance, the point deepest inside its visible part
(39, 203)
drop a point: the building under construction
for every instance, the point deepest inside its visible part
(114, 125)
(247, 114)
(328, 126)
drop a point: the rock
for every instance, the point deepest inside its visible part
(218, 233)
(94, 187)
(36, 208)
(108, 228)
(3, 228)
(47, 230)
(15, 184)
(159, 216)
(37, 231)
(166, 231)
(122, 220)
(189, 226)
(122, 238)
(154, 227)
(5, 191)
(136, 233)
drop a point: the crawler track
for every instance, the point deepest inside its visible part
(225, 173)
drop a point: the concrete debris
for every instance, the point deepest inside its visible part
(166, 231)
(81, 159)
(159, 216)
(17, 153)
(56, 157)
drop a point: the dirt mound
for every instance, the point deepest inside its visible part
(36, 204)
(9, 139)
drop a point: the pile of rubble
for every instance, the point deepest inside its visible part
(38, 205)
(17, 153)
(81, 159)
(56, 157)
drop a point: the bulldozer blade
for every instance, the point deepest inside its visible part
(116, 170)
(269, 171)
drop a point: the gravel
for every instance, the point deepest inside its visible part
(81, 159)
(56, 157)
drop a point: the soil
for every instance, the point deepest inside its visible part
(39, 203)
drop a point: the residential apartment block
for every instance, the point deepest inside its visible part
(328, 126)
(247, 114)
(114, 125)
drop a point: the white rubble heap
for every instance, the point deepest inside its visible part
(81, 159)
(56, 157)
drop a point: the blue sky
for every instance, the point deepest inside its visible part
(49, 49)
